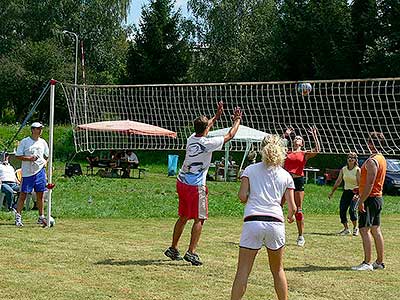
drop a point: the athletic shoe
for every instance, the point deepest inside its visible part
(378, 266)
(344, 232)
(193, 258)
(300, 241)
(363, 267)
(42, 221)
(355, 231)
(173, 254)
(18, 220)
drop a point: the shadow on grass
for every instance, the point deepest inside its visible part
(312, 268)
(10, 223)
(236, 244)
(141, 262)
(323, 233)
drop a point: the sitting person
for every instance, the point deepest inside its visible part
(133, 162)
(8, 180)
(93, 160)
(132, 158)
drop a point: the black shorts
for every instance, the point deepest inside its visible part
(299, 184)
(372, 214)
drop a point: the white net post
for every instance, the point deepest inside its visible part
(51, 139)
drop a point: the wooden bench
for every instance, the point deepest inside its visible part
(119, 171)
(140, 171)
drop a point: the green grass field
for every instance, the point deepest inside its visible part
(113, 248)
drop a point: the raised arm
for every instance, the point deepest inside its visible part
(287, 133)
(218, 114)
(237, 116)
(313, 130)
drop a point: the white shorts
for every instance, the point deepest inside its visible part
(255, 234)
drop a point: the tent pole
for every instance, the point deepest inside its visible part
(226, 161)
(248, 145)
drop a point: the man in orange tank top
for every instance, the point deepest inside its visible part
(373, 173)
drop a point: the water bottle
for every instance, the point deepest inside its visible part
(90, 200)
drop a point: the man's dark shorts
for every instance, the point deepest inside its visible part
(299, 184)
(372, 214)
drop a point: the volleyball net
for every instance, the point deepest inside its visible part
(343, 111)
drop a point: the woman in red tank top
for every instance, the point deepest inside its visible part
(295, 162)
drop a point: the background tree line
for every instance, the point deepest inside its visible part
(221, 40)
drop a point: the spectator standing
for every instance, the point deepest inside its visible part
(33, 151)
(350, 174)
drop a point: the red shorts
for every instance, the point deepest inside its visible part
(193, 201)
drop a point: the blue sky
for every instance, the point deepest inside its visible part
(136, 9)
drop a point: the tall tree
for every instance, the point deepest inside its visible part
(33, 48)
(159, 52)
(382, 56)
(105, 40)
(330, 38)
(315, 39)
(235, 39)
(295, 36)
(365, 29)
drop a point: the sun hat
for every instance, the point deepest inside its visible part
(36, 125)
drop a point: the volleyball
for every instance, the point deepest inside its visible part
(304, 88)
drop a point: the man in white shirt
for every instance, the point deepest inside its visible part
(33, 151)
(131, 162)
(131, 157)
(191, 182)
(8, 181)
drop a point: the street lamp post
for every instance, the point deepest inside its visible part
(76, 58)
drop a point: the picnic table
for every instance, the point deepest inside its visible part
(115, 168)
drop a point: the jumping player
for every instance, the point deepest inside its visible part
(295, 162)
(191, 182)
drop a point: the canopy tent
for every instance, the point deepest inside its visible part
(127, 127)
(244, 134)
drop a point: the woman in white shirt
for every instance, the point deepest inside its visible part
(350, 174)
(262, 189)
